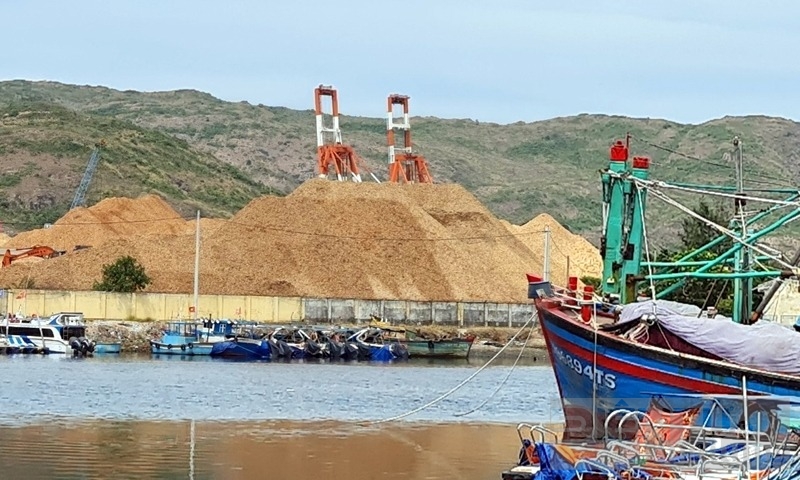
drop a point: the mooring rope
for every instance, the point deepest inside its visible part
(457, 387)
(530, 332)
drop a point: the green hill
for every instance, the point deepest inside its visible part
(197, 150)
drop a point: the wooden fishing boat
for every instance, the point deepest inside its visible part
(420, 346)
(608, 350)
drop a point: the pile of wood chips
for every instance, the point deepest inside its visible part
(326, 239)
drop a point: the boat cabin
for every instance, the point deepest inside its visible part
(62, 325)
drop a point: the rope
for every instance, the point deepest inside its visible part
(268, 228)
(662, 184)
(722, 291)
(708, 297)
(457, 387)
(647, 248)
(594, 376)
(665, 198)
(530, 332)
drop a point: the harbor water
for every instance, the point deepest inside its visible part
(143, 417)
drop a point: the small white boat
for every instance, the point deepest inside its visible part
(62, 332)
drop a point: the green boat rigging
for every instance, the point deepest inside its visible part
(628, 267)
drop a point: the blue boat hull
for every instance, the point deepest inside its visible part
(107, 348)
(181, 349)
(243, 348)
(629, 375)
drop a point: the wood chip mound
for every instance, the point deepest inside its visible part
(326, 239)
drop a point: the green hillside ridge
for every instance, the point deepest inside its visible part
(45, 149)
(518, 170)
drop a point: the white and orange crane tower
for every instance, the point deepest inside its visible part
(404, 165)
(333, 156)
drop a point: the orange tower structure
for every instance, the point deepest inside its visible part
(331, 152)
(404, 166)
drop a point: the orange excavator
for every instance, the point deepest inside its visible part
(40, 251)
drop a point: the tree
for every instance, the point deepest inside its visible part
(595, 282)
(694, 234)
(126, 274)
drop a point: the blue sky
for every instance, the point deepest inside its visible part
(499, 61)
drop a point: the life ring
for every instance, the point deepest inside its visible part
(169, 346)
(190, 345)
(183, 347)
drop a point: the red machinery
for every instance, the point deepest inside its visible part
(35, 251)
(331, 152)
(404, 165)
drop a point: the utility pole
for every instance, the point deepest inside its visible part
(196, 267)
(546, 272)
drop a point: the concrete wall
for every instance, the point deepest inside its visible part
(155, 306)
(162, 306)
(461, 314)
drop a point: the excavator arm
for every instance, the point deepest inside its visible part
(40, 251)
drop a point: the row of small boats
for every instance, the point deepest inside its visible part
(689, 437)
(250, 340)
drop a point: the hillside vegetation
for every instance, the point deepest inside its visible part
(199, 151)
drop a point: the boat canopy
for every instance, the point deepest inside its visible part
(764, 345)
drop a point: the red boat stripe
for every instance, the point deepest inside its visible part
(643, 373)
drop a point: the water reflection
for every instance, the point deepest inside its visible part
(151, 389)
(256, 450)
(126, 417)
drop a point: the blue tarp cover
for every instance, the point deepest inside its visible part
(382, 354)
(552, 464)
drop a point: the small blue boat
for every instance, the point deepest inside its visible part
(192, 338)
(242, 348)
(107, 347)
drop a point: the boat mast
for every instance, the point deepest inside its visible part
(623, 227)
(742, 287)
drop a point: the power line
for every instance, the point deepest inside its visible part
(293, 231)
(781, 182)
(109, 222)
(383, 239)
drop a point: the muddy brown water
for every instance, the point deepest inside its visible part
(256, 450)
(164, 418)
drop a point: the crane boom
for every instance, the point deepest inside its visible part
(80, 193)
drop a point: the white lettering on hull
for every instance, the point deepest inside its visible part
(575, 364)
